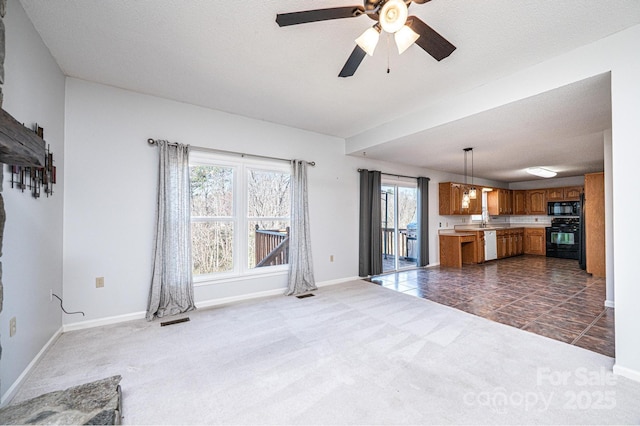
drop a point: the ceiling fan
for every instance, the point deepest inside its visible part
(391, 16)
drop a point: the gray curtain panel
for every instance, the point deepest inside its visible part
(370, 253)
(301, 278)
(171, 290)
(423, 221)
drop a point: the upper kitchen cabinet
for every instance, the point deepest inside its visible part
(555, 194)
(519, 202)
(450, 199)
(536, 201)
(499, 202)
(572, 193)
(569, 193)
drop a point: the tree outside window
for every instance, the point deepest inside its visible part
(240, 216)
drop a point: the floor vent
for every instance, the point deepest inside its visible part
(177, 321)
(302, 296)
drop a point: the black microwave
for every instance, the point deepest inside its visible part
(563, 208)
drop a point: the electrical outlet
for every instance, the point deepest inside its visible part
(50, 295)
(99, 282)
(331, 258)
(12, 327)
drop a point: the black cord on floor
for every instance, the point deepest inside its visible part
(63, 310)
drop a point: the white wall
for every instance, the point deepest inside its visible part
(608, 217)
(625, 102)
(32, 249)
(111, 175)
(548, 183)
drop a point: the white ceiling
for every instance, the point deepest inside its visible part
(230, 55)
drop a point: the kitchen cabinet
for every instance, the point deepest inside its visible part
(535, 241)
(519, 204)
(568, 193)
(536, 201)
(519, 244)
(499, 202)
(502, 244)
(509, 242)
(594, 221)
(450, 199)
(572, 193)
(461, 247)
(555, 194)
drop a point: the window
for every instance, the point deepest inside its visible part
(239, 215)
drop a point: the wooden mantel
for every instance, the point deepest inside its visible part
(19, 145)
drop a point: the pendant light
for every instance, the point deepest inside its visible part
(465, 195)
(473, 193)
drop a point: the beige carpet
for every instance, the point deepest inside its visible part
(356, 353)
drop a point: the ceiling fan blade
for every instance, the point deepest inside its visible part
(420, 1)
(353, 62)
(430, 41)
(294, 18)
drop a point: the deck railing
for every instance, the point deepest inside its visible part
(388, 243)
(272, 247)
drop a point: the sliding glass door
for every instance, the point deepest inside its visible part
(399, 236)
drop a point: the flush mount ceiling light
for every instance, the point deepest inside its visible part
(541, 172)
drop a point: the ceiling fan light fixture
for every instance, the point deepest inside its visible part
(405, 37)
(369, 40)
(541, 172)
(393, 15)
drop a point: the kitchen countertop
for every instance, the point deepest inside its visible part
(466, 228)
(454, 233)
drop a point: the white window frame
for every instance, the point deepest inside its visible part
(239, 218)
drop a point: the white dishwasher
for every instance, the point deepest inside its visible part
(490, 245)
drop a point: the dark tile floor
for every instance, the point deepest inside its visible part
(547, 296)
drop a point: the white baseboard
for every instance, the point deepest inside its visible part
(102, 321)
(338, 281)
(10, 393)
(274, 292)
(240, 297)
(626, 372)
(609, 304)
(203, 304)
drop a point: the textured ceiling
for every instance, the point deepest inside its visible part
(231, 55)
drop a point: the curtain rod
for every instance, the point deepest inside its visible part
(242, 154)
(402, 176)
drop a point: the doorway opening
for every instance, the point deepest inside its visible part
(399, 202)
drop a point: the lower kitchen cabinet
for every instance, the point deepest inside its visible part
(535, 241)
(510, 242)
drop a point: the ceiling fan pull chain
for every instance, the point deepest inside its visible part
(388, 56)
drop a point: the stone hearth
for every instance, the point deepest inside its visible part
(95, 403)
